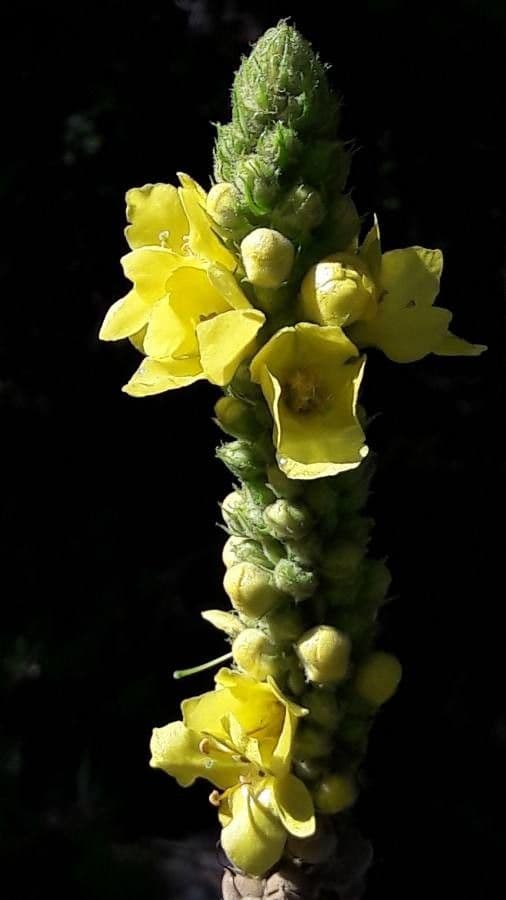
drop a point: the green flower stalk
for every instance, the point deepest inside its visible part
(263, 287)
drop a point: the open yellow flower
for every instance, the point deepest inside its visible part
(185, 311)
(310, 377)
(239, 737)
(407, 326)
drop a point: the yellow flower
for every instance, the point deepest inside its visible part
(407, 326)
(310, 377)
(185, 311)
(239, 737)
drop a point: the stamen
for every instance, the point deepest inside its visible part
(214, 798)
(182, 673)
(163, 237)
(205, 745)
(302, 392)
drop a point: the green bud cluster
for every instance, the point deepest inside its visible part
(279, 161)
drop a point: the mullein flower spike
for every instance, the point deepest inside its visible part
(262, 287)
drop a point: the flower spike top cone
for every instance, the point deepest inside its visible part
(263, 287)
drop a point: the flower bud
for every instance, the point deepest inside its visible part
(282, 486)
(315, 849)
(222, 205)
(376, 582)
(323, 708)
(241, 549)
(251, 590)
(224, 621)
(255, 654)
(244, 388)
(293, 579)
(334, 793)
(343, 560)
(308, 769)
(338, 291)
(284, 625)
(241, 515)
(325, 653)
(311, 742)
(273, 549)
(286, 520)
(268, 257)
(378, 677)
(243, 459)
(237, 418)
(299, 212)
(306, 551)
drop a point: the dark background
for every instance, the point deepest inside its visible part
(109, 504)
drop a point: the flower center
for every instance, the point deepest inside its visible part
(303, 392)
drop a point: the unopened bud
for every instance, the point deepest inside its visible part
(222, 205)
(323, 708)
(378, 677)
(308, 769)
(284, 624)
(255, 654)
(376, 582)
(324, 653)
(306, 551)
(293, 579)
(299, 212)
(315, 849)
(286, 520)
(343, 560)
(268, 257)
(241, 516)
(282, 486)
(243, 459)
(311, 742)
(224, 621)
(334, 793)
(338, 291)
(237, 418)
(240, 549)
(251, 590)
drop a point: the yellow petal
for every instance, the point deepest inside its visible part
(404, 334)
(254, 706)
(202, 240)
(370, 250)
(137, 339)
(227, 339)
(177, 750)
(157, 217)
(281, 756)
(411, 276)
(156, 376)
(124, 318)
(254, 839)
(294, 805)
(225, 283)
(193, 299)
(149, 269)
(186, 181)
(451, 345)
(165, 333)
